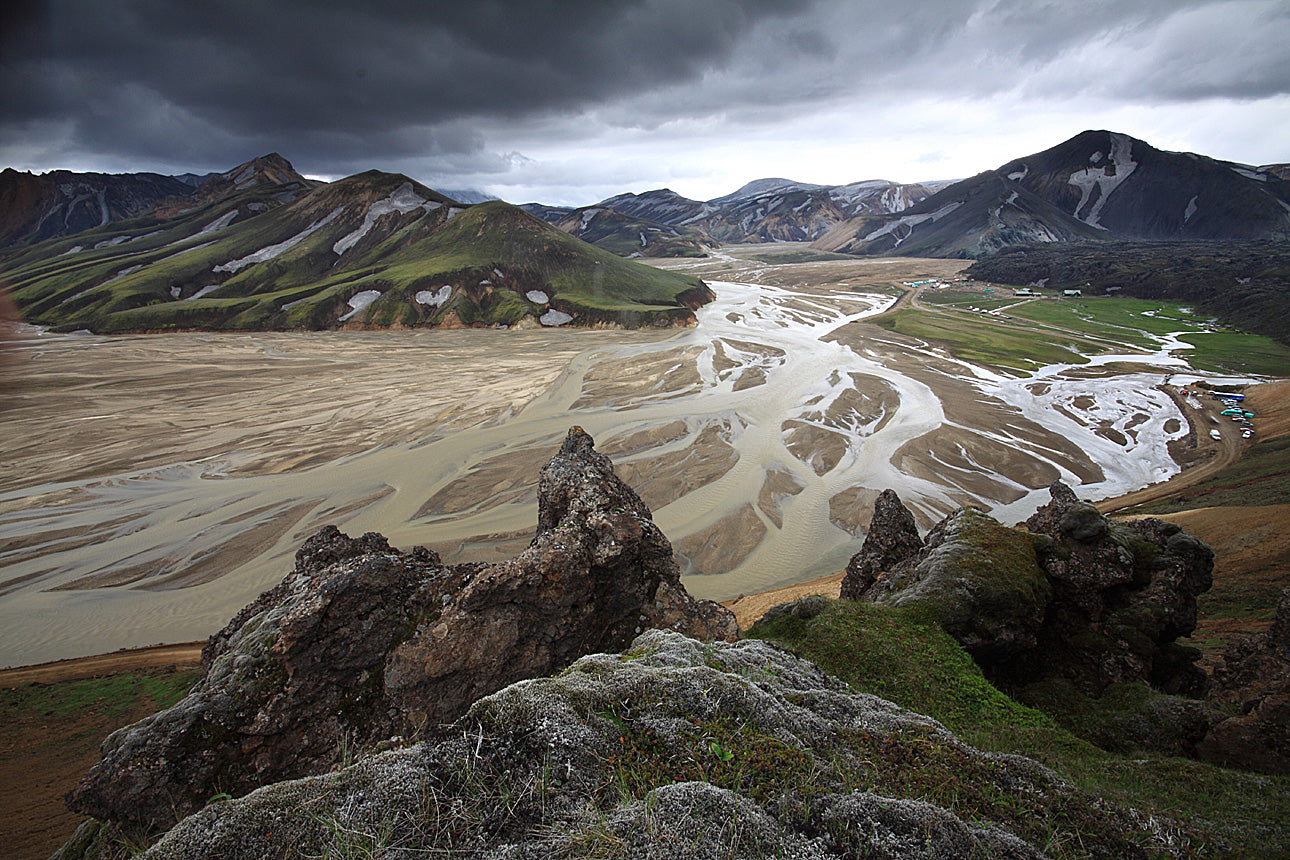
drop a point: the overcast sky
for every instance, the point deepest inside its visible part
(570, 101)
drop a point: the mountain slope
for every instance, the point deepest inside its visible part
(59, 203)
(34, 208)
(372, 249)
(1098, 185)
(630, 236)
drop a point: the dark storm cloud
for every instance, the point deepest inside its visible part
(454, 87)
(348, 78)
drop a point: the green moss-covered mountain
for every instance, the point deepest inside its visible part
(375, 249)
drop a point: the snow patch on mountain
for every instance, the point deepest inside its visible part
(435, 298)
(912, 221)
(265, 254)
(402, 200)
(1097, 177)
(359, 301)
(130, 270)
(1191, 209)
(1250, 173)
(218, 224)
(555, 318)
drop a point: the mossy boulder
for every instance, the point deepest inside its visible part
(673, 749)
(1072, 599)
(980, 580)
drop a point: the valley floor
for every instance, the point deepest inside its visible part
(156, 484)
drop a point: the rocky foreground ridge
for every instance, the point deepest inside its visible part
(647, 742)
(361, 644)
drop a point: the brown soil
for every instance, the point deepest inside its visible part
(184, 656)
(43, 754)
(748, 608)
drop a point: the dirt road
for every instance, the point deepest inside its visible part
(1217, 454)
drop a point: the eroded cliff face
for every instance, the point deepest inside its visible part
(362, 645)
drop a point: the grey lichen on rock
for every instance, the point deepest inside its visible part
(672, 749)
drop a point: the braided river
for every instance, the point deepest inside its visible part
(152, 485)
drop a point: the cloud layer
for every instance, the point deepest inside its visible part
(571, 100)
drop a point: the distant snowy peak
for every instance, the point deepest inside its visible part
(769, 210)
(625, 234)
(468, 195)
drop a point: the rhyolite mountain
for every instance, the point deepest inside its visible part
(36, 207)
(764, 210)
(250, 251)
(1099, 185)
(772, 210)
(632, 236)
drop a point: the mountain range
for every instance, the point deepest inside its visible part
(262, 247)
(764, 210)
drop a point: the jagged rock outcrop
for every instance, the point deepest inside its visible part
(1123, 593)
(362, 644)
(892, 538)
(672, 749)
(1073, 595)
(1252, 685)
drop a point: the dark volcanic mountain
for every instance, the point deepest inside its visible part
(1097, 185)
(59, 203)
(375, 249)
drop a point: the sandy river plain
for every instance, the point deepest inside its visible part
(152, 485)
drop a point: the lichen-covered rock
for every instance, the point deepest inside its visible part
(291, 676)
(978, 579)
(597, 573)
(672, 749)
(362, 644)
(1076, 596)
(1252, 689)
